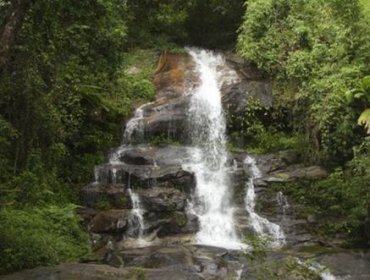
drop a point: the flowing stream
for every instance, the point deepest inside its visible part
(211, 202)
(260, 225)
(134, 129)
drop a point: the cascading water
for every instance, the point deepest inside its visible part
(133, 126)
(211, 202)
(260, 225)
(137, 229)
(283, 203)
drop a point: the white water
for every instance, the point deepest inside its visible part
(282, 201)
(211, 202)
(137, 212)
(135, 124)
(319, 269)
(260, 225)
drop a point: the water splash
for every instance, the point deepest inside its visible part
(114, 176)
(137, 226)
(260, 225)
(283, 203)
(135, 125)
(209, 157)
(324, 273)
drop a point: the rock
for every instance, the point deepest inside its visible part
(235, 97)
(351, 265)
(71, 271)
(171, 223)
(105, 196)
(298, 172)
(157, 257)
(165, 118)
(102, 272)
(244, 68)
(147, 176)
(153, 155)
(162, 199)
(173, 75)
(111, 221)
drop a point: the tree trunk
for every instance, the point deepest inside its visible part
(12, 24)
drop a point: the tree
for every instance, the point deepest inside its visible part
(11, 26)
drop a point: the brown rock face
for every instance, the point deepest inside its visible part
(111, 221)
(173, 75)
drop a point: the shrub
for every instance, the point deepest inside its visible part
(32, 237)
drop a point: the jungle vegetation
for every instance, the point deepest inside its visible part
(67, 85)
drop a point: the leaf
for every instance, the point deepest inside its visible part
(364, 120)
(349, 97)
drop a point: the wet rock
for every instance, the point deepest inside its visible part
(165, 118)
(171, 223)
(162, 199)
(71, 271)
(111, 221)
(173, 75)
(167, 121)
(145, 176)
(157, 257)
(105, 196)
(102, 272)
(351, 265)
(153, 155)
(298, 172)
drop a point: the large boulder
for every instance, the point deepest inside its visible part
(235, 97)
(298, 172)
(162, 199)
(111, 221)
(145, 176)
(171, 223)
(165, 118)
(155, 155)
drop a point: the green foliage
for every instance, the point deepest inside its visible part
(361, 95)
(103, 203)
(40, 236)
(260, 130)
(316, 51)
(342, 199)
(280, 269)
(137, 274)
(364, 120)
(70, 84)
(168, 23)
(163, 140)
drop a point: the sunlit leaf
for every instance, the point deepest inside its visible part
(364, 120)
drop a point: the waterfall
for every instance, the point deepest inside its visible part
(283, 203)
(134, 129)
(260, 225)
(211, 202)
(137, 211)
(324, 273)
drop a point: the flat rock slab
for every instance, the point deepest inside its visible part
(78, 271)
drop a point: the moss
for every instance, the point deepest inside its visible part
(137, 274)
(180, 219)
(162, 140)
(103, 203)
(123, 202)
